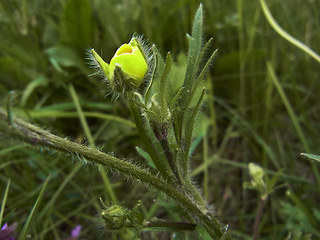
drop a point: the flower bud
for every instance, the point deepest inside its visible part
(127, 67)
(114, 217)
(256, 172)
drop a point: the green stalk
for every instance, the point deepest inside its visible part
(285, 35)
(24, 231)
(37, 136)
(170, 226)
(144, 137)
(4, 200)
(293, 118)
(167, 151)
(82, 118)
(89, 136)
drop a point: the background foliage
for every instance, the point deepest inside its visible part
(262, 107)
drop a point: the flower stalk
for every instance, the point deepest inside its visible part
(36, 136)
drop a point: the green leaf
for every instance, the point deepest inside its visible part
(39, 81)
(194, 53)
(199, 78)
(163, 83)
(203, 233)
(144, 137)
(175, 99)
(26, 226)
(190, 124)
(195, 43)
(311, 156)
(177, 124)
(146, 156)
(4, 201)
(61, 56)
(272, 182)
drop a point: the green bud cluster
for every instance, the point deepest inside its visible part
(117, 217)
(114, 217)
(260, 181)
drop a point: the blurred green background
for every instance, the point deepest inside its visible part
(263, 106)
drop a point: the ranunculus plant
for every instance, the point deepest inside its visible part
(164, 120)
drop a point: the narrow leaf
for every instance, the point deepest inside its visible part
(146, 156)
(272, 182)
(4, 201)
(311, 156)
(195, 42)
(190, 124)
(177, 124)
(82, 118)
(40, 81)
(144, 137)
(164, 81)
(199, 78)
(176, 98)
(26, 226)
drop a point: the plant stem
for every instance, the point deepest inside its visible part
(165, 146)
(286, 35)
(144, 137)
(172, 226)
(256, 226)
(37, 136)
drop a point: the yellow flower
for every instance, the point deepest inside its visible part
(127, 68)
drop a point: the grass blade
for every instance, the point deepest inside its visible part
(285, 35)
(26, 226)
(311, 156)
(293, 117)
(4, 201)
(83, 120)
(61, 114)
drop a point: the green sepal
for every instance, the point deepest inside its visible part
(135, 216)
(103, 65)
(154, 84)
(135, 42)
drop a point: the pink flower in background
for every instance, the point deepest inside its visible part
(6, 231)
(75, 233)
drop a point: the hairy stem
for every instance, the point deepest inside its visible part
(181, 226)
(36, 136)
(144, 137)
(165, 146)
